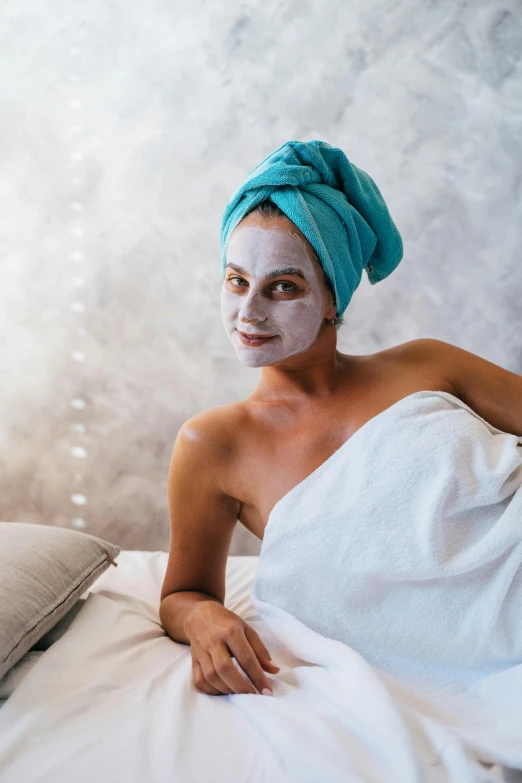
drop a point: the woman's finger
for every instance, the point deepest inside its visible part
(227, 671)
(212, 675)
(244, 654)
(260, 650)
(201, 682)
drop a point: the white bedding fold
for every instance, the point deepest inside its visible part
(113, 700)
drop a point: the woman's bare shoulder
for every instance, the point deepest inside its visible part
(213, 430)
(422, 363)
(416, 350)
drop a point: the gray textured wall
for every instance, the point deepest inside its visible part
(125, 126)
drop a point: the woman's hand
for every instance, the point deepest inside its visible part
(216, 635)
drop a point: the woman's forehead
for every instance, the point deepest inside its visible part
(265, 243)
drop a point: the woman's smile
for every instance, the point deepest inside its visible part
(254, 340)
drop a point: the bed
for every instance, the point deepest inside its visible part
(112, 699)
(99, 703)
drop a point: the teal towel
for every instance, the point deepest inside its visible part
(337, 206)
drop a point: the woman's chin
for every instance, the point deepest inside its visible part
(263, 356)
(254, 361)
(254, 357)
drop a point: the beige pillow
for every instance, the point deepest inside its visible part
(43, 572)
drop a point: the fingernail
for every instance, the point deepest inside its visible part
(266, 692)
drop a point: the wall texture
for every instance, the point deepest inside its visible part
(125, 127)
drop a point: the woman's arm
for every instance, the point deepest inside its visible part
(493, 392)
(202, 519)
(192, 608)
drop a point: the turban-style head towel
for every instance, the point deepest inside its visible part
(337, 206)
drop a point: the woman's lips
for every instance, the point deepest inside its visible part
(254, 340)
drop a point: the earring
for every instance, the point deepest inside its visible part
(333, 321)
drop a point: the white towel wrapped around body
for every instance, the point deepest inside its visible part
(406, 546)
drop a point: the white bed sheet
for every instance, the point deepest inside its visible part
(113, 700)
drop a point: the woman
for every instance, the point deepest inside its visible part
(295, 240)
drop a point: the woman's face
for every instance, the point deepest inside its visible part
(272, 286)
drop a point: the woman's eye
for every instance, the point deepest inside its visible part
(240, 280)
(237, 278)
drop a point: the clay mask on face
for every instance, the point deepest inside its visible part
(291, 309)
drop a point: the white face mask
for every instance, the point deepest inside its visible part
(289, 307)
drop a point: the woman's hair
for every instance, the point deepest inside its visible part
(268, 209)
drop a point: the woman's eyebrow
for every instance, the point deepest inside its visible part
(287, 270)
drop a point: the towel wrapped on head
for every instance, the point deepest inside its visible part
(335, 204)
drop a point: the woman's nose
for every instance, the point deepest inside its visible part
(252, 307)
